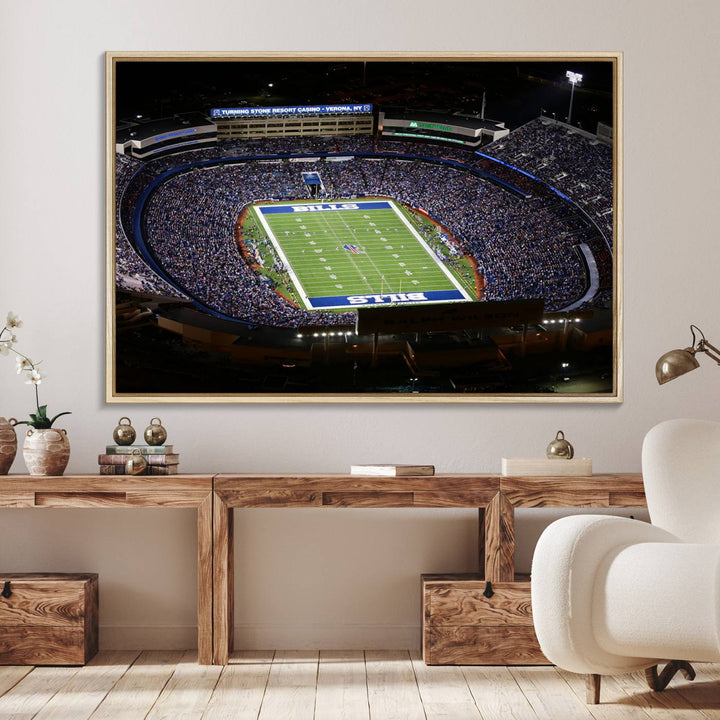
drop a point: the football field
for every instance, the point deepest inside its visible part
(356, 253)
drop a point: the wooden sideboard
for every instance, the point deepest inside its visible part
(216, 496)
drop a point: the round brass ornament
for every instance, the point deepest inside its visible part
(124, 433)
(560, 448)
(135, 464)
(155, 433)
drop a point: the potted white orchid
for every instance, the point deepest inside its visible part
(46, 450)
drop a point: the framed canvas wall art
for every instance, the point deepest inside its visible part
(364, 227)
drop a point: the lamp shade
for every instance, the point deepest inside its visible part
(675, 363)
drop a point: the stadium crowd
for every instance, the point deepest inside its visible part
(523, 246)
(189, 226)
(131, 272)
(578, 165)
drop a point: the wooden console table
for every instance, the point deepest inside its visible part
(215, 498)
(92, 491)
(495, 497)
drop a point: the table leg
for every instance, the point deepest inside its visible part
(223, 581)
(205, 580)
(499, 517)
(481, 541)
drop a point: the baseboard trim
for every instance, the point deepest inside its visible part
(265, 636)
(150, 637)
(327, 637)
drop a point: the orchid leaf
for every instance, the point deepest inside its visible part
(67, 412)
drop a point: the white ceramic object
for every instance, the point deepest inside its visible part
(46, 451)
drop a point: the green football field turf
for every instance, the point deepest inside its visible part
(353, 249)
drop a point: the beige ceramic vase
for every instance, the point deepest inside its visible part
(8, 444)
(46, 451)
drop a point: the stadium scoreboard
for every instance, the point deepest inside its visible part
(294, 120)
(455, 316)
(289, 110)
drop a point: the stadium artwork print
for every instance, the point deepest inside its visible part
(305, 228)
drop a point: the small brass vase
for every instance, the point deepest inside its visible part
(155, 433)
(124, 433)
(135, 464)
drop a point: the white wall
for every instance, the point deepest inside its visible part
(331, 578)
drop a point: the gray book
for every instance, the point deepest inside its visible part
(144, 449)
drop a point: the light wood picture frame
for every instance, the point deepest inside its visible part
(364, 227)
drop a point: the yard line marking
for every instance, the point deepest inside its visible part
(429, 250)
(283, 257)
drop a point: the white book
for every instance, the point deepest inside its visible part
(392, 470)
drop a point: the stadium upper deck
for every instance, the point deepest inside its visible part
(466, 130)
(145, 140)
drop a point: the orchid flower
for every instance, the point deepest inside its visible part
(28, 369)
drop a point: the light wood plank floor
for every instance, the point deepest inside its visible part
(349, 685)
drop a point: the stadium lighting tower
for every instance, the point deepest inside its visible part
(573, 78)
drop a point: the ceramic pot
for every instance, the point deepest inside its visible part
(8, 444)
(46, 451)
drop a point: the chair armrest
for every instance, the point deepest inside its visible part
(659, 599)
(565, 563)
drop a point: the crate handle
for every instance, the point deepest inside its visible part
(488, 592)
(6, 592)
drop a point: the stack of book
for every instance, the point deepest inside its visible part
(160, 459)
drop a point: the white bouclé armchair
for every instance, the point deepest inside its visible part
(613, 595)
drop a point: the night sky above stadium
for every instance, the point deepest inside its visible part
(515, 91)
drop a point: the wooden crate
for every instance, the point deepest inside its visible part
(461, 626)
(48, 618)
